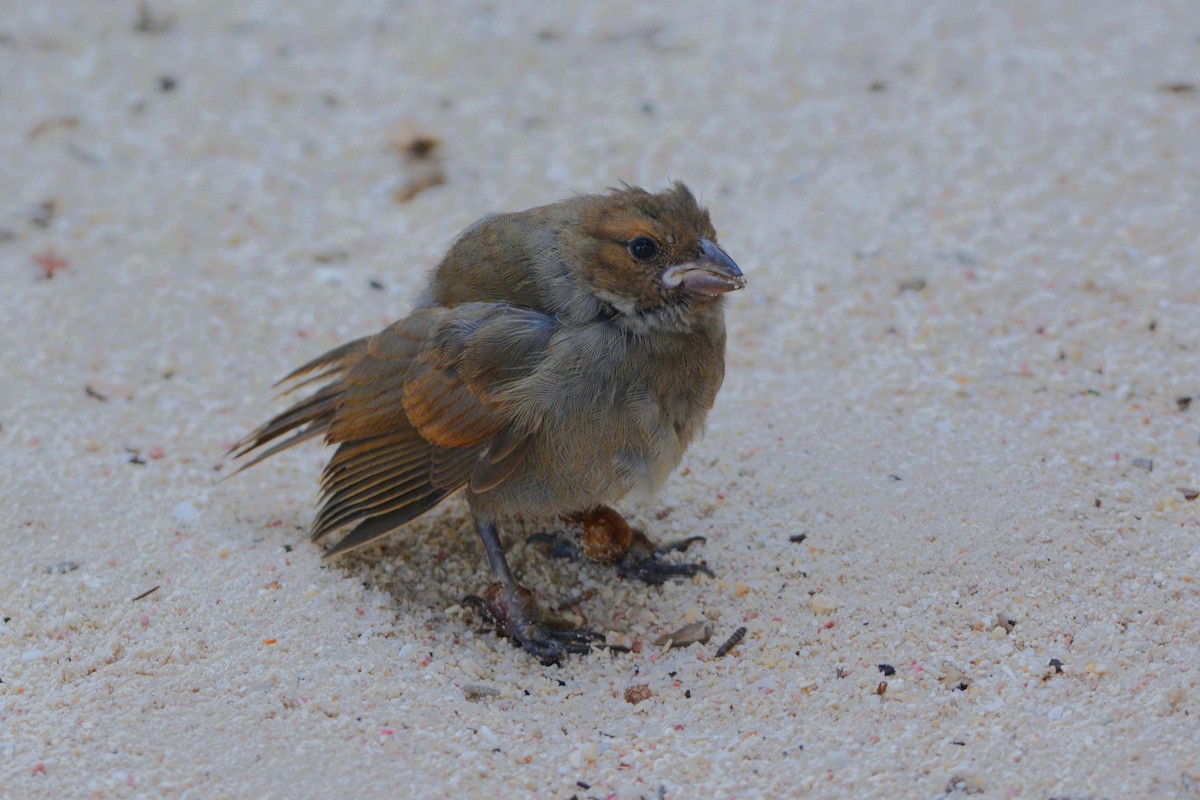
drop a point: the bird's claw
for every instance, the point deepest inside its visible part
(515, 614)
(607, 538)
(679, 545)
(649, 569)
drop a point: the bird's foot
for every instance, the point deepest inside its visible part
(516, 615)
(606, 537)
(646, 566)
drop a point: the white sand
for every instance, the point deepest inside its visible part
(959, 455)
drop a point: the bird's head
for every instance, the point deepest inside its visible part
(646, 254)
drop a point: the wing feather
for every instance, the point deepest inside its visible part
(417, 412)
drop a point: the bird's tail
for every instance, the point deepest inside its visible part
(308, 417)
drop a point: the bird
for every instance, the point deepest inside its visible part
(559, 359)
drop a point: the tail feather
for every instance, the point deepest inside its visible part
(306, 433)
(337, 359)
(313, 414)
(378, 479)
(372, 528)
(297, 385)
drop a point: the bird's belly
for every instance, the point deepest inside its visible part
(589, 460)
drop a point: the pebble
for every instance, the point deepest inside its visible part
(185, 511)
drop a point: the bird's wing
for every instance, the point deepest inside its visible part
(424, 411)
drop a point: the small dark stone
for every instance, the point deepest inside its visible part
(422, 147)
(45, 213)
(733, 641)
(887, 669)
(149, 22)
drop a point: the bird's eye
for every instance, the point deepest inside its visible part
(643, 248)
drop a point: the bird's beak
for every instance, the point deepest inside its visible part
(712, 274)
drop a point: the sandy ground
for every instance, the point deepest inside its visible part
(961, 372)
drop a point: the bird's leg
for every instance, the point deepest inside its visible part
(609, 539)
(513, 610)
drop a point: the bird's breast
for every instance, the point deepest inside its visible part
(643, 401)
(613, 414)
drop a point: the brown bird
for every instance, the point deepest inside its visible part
(561, 358)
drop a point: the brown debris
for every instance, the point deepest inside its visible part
(422, 154)
(637, 693)
(149, 22)
(47, 125)
(696, 632)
